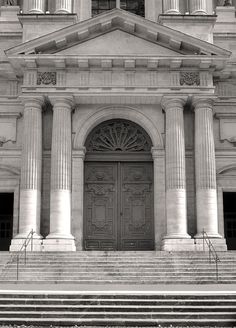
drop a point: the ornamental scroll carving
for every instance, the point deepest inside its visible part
(118, 135)
(47, 78)
(189, 78)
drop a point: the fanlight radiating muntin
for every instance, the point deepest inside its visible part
(118, 136)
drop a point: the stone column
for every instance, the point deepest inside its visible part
(205, 170)
(36, 6)
(176, 215)
(63, 7)
(171, 7)
(60, 238)
(198, 7)
(31, 170)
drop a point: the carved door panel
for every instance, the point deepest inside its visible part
(118, 206)
(136, 221)
(100, 222)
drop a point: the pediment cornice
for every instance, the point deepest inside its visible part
(153, 32)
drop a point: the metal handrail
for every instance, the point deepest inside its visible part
(212, 252)
(23, 249)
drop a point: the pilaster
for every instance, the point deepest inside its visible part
(78, 196)
(205, 170)
(158, 156)
(176, 215)
(31, 171)
(60, 238)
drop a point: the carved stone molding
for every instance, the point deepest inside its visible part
(227, 127)
(189, 78)
(4, 140)
(47, 78)
(8, 126)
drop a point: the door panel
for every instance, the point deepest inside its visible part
(118, 206)
(136, 206)
(100, 206)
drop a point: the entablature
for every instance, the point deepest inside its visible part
(120, 73)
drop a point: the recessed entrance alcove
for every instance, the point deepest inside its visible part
(118, 190)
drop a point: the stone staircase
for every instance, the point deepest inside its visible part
(121, 268)
(48, 309)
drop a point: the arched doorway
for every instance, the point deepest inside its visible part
(118, 191)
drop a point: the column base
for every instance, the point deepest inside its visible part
(177, 245)
(199, 12)
(59, 244)
(218, 243)
(62, 11)
(18, 241)
(172, 12)
(36, 11)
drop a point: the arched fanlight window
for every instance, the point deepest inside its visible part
(118, 136)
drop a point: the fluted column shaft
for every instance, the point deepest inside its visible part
(198, 7)
(63, 6)
(205, 169)
(175, 169)
(36, 6)
(171, 6)
(60, 210)
(31, 167)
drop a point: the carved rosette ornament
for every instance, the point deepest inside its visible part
(118, 135)
(189, 78)
(47, 78)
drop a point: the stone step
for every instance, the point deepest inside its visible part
(117, 309)
(125, 314)
(113, 322)
(123, 282)
(147, 308)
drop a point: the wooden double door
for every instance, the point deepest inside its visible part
(118, 211)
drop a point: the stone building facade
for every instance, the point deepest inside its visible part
(117, 124)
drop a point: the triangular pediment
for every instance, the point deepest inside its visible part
(100, 34)
(118, 43)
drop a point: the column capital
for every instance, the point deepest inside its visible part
(65, 101)
(32, 101)
(173, 102)
(203, 102)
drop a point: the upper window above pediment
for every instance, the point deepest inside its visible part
(133, 6)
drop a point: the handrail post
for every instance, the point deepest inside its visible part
(22, 251)
(212, 252)
(17, 267)
(203, 240)
(32, 240)
(25, 252)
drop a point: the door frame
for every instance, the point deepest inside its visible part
(12, 186)
(118, 160)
